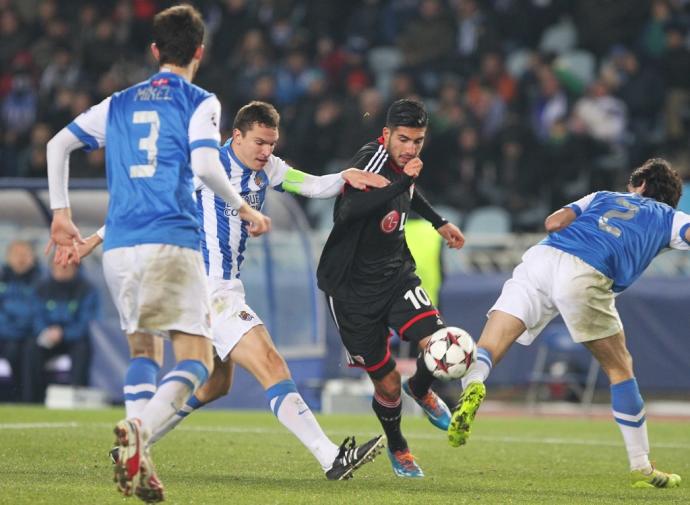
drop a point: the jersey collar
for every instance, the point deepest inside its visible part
(393, 164)
(231, 151)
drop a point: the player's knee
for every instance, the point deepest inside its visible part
(389, 386)
(276, 363)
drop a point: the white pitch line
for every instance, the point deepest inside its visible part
(37, 426)
(412, 434)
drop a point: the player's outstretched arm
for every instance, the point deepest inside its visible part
(560, 219)
(356, 204)
(328, 186)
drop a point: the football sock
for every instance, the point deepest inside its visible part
(389, 414)
(422, 379)
(140, 385)
(293, 413)
(480, 369)
(629, 413)
(192, 404)
(173, 392)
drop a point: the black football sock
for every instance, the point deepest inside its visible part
(389, 414)
(422, 379)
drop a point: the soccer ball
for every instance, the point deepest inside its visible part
(449, 353)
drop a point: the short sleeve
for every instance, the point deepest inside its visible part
(89, 126)
(203, 125)
(275, 169)
(681, 224)
(579, 206)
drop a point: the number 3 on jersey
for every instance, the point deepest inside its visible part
(147, 144)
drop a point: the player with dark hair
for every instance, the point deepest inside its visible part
(239, 335)
(158, 133)
(368, 275)
(596, 248)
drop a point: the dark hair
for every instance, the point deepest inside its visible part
(178, 31)
(407, 112)
(256, 112)
(661, 181)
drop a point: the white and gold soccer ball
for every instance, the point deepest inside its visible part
(449, 353)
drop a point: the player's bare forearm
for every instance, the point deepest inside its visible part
(356, 204)
(559, 219)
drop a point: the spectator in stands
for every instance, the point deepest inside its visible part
(17, 292)
(675, 66)
(65, 304)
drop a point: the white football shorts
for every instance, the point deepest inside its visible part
(231, 317)
(158, 288)
(550, 281)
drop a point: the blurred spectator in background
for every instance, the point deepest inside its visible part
(65, 305)
(17, 293)
(595, 85)
(675, 64)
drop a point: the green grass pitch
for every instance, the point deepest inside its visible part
(60, 457)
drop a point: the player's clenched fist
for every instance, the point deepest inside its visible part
(413, 167)
(258, 223)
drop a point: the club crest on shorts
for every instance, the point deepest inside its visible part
(390, 222)
(358, 359)
(244, 315)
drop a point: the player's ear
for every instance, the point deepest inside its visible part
(199, 53)
(236, 134)
(386, 135)
(155, 52)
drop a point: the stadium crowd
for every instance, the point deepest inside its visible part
(42, 316)
(534, 102)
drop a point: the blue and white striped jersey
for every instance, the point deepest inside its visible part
(620, 234)
(149, 131)
(224, 234)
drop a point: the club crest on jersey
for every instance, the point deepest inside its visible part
(244, 315)
(390, 222)
(260, 180)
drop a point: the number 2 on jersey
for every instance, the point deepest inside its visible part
(147, 144)
(626, 215)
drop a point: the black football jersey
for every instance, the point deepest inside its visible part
(366, 256)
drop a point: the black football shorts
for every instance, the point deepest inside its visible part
(366, 328)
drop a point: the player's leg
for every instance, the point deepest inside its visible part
(194, 356)
(217, 385)
(628, 410)
(415, 319)
(366, 340)
(522, 310)
(146, 358)
(256, 353)
(159, 288)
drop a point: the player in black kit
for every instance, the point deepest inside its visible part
(368, 275)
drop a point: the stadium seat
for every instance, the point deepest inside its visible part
(488, 221)
(562, 364)
(383, 62)
(578, 63)
(518, 62)
(559, 38)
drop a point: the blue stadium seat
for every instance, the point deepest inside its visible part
(561, 362)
